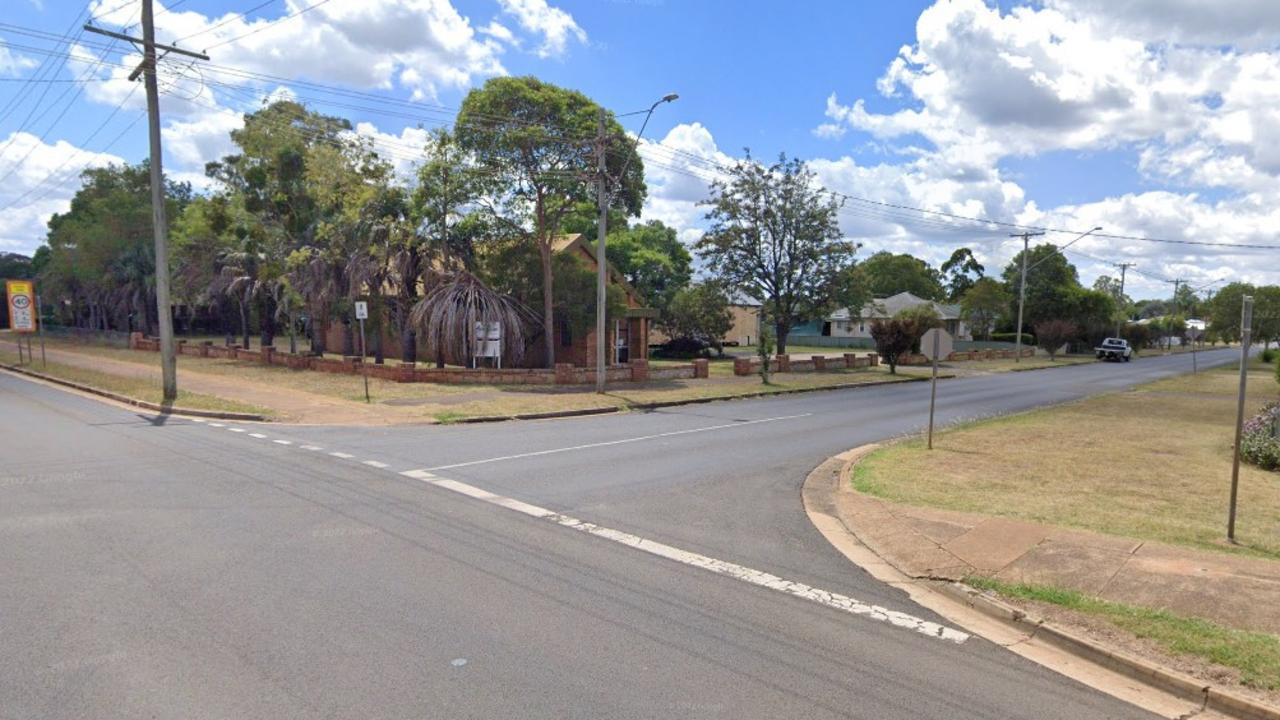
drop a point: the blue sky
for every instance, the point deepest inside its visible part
(1066, 113)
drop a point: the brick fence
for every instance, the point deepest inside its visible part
(819, 363)
(563, 374)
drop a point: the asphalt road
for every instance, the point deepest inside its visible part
(164, 568)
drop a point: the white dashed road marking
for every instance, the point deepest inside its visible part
(624, 441)
(742, 573)
(260, 436)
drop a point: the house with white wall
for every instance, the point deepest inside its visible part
(844, 323)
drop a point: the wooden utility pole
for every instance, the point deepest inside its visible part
(602, 199)
(160, 225)
(1022, 287)
(1124, 267)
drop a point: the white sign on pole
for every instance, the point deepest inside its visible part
(362, 310)
(944, 344)
(488, 341)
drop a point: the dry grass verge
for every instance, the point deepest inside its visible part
(1151, 463)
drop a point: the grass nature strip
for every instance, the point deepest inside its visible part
(1255, 655)
(1152, 463)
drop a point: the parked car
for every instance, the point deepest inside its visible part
(1114, 349)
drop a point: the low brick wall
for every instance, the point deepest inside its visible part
(563, 374)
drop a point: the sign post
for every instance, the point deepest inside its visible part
(40, 327)
(931, 344)
(1246, 334)
(362, 314)
(22, 318)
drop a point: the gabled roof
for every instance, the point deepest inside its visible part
(578, 241)
(892, 305)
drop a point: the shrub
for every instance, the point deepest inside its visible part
(1268, 356)
(894, 338)
(1051, 335)
(1277, 372)
(1260, 443)
(683, 348)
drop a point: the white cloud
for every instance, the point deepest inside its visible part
(677, 171)
(1185, 86)
(555, 26)
(12, 64)
(40, 186)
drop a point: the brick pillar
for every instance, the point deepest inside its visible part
(784, 363)
(819, 363)
(564, 373)
(873, 359)
(135, 338)
(701, 368)
(639, 370)
(742, 366)
(204, 348)
(850, 360)
(404, 372)
(268, 354)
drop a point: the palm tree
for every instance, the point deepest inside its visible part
(449, 313)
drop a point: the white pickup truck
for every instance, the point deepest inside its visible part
(1114, 349)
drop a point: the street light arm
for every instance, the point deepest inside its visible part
(635, 146)
(1061, 248)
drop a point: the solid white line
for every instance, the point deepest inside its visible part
(344, 456)
(282, 442)
(260, 436)
(619, 442)
(836, 601)
(375, 463)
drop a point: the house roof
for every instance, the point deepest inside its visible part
(578, 241)
(892, 305)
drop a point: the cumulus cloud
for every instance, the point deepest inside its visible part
(41, 185)
(12, 64)
(555, 26)
(1190, 90)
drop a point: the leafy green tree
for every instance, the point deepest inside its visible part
(700, 312)
(960, 272)
(1223, 311)
(983, 305)
(653, 260)
(99, 262)
(774, 236)
(533, 139)
(888, 274)
(287, 176)
(1051, 282)
(894, 337)
(15, 267)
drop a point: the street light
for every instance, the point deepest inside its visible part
(1022, 287)
(604, 198)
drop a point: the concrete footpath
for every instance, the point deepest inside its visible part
(1232, 590)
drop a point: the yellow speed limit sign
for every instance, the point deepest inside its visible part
(22, 305)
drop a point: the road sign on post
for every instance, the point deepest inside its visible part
(22, 305)
(932, 346)
(362, 314)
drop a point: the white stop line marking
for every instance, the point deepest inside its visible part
(720, 567)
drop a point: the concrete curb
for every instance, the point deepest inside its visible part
(677, 403)
(156, 407)
(1185, 687)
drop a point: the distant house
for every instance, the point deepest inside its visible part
(843, 323)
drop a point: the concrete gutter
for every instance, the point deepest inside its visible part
(1154, 688)
(125, 399)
